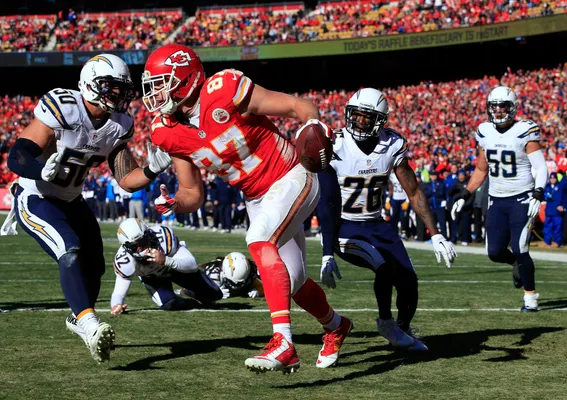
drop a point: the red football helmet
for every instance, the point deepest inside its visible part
(171, 75)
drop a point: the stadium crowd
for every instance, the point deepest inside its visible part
(352, 19)
(142, 30)
(438, 120)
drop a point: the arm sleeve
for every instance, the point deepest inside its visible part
(182, 261)
(538, 163)
(329, 208)
(23, 159)
(121, 287)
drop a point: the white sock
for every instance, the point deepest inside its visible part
(89, 322)
(285, 330)
(333, 323)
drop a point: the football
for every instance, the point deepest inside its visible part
(314, 148)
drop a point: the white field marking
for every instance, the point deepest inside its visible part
(259, 310)
(441, 267)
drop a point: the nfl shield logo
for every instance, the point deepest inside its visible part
(368, 162)
(202, 134)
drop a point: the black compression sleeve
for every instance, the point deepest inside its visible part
(22, 159)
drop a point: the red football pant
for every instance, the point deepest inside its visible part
(275, 279)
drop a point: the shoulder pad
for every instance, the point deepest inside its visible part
(124, 264)
(59, 109)
(528, 129)
(226, 88)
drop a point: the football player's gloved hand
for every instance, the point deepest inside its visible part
(225, 292)
(164, 204)
(118, 309)
(159, 159)
(535, 202)
(51, 168)
(253, 294)
(328, 131)
(443, 248)
(460, 201)
(328, 268)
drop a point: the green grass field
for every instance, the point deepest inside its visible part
(481, 347)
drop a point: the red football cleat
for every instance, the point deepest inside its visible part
(280, 355)
(332, 342)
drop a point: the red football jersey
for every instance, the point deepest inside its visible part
(248, 152)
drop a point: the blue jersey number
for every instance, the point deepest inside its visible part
(373, 196)
(504, 161)
(78, 164)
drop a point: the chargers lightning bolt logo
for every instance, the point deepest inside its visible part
(101, 58)
(36, 227)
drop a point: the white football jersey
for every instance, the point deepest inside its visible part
(83, 146)
(364, 178)
(125, 263)
(510, 170)
(398, 192)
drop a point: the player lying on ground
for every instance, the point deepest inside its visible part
(235, 140)
(157, 257)
(73, 132)
(508, 151)
(352, 188)
(236, 275)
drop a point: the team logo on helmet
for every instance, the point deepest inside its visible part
(220, 116)
(101, 58)
(179, 59)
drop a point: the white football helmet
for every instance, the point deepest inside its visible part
(366, 113)
(235, 270)
(135, 236)
(105, 80)
(501, 100)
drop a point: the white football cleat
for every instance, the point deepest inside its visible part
(279, 355)
(530, 302)
(397, 337)
(101, 341)
(73, 326)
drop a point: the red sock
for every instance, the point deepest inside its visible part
(312, 299)
(275, 279)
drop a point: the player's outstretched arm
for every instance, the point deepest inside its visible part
(22, 159)
(129, 175)
(268, 102)
(417, 198)
(442, 248)
(190, 194)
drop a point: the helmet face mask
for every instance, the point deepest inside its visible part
(501, 112)
(157, 91)
(364, 123)
(113, 95)
(137, 248)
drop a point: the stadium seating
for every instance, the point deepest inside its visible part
(25, 33)
(127, 30)
(438, 119)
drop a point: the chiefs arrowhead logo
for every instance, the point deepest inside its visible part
(179, 59)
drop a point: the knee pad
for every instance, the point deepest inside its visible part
(69, 259)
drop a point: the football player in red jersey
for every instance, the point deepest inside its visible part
(221, 124)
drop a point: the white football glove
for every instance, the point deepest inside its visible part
(225, 292)
(165, 204)
(159, 159)
(535, 203)
(328, 131)
(51, 168)
(253, 294)
(443, 248)
(457, 207)
(328, 268)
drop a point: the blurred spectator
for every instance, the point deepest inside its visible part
(554, 210)
(223, 197)
(136, 204)
(462, 224)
